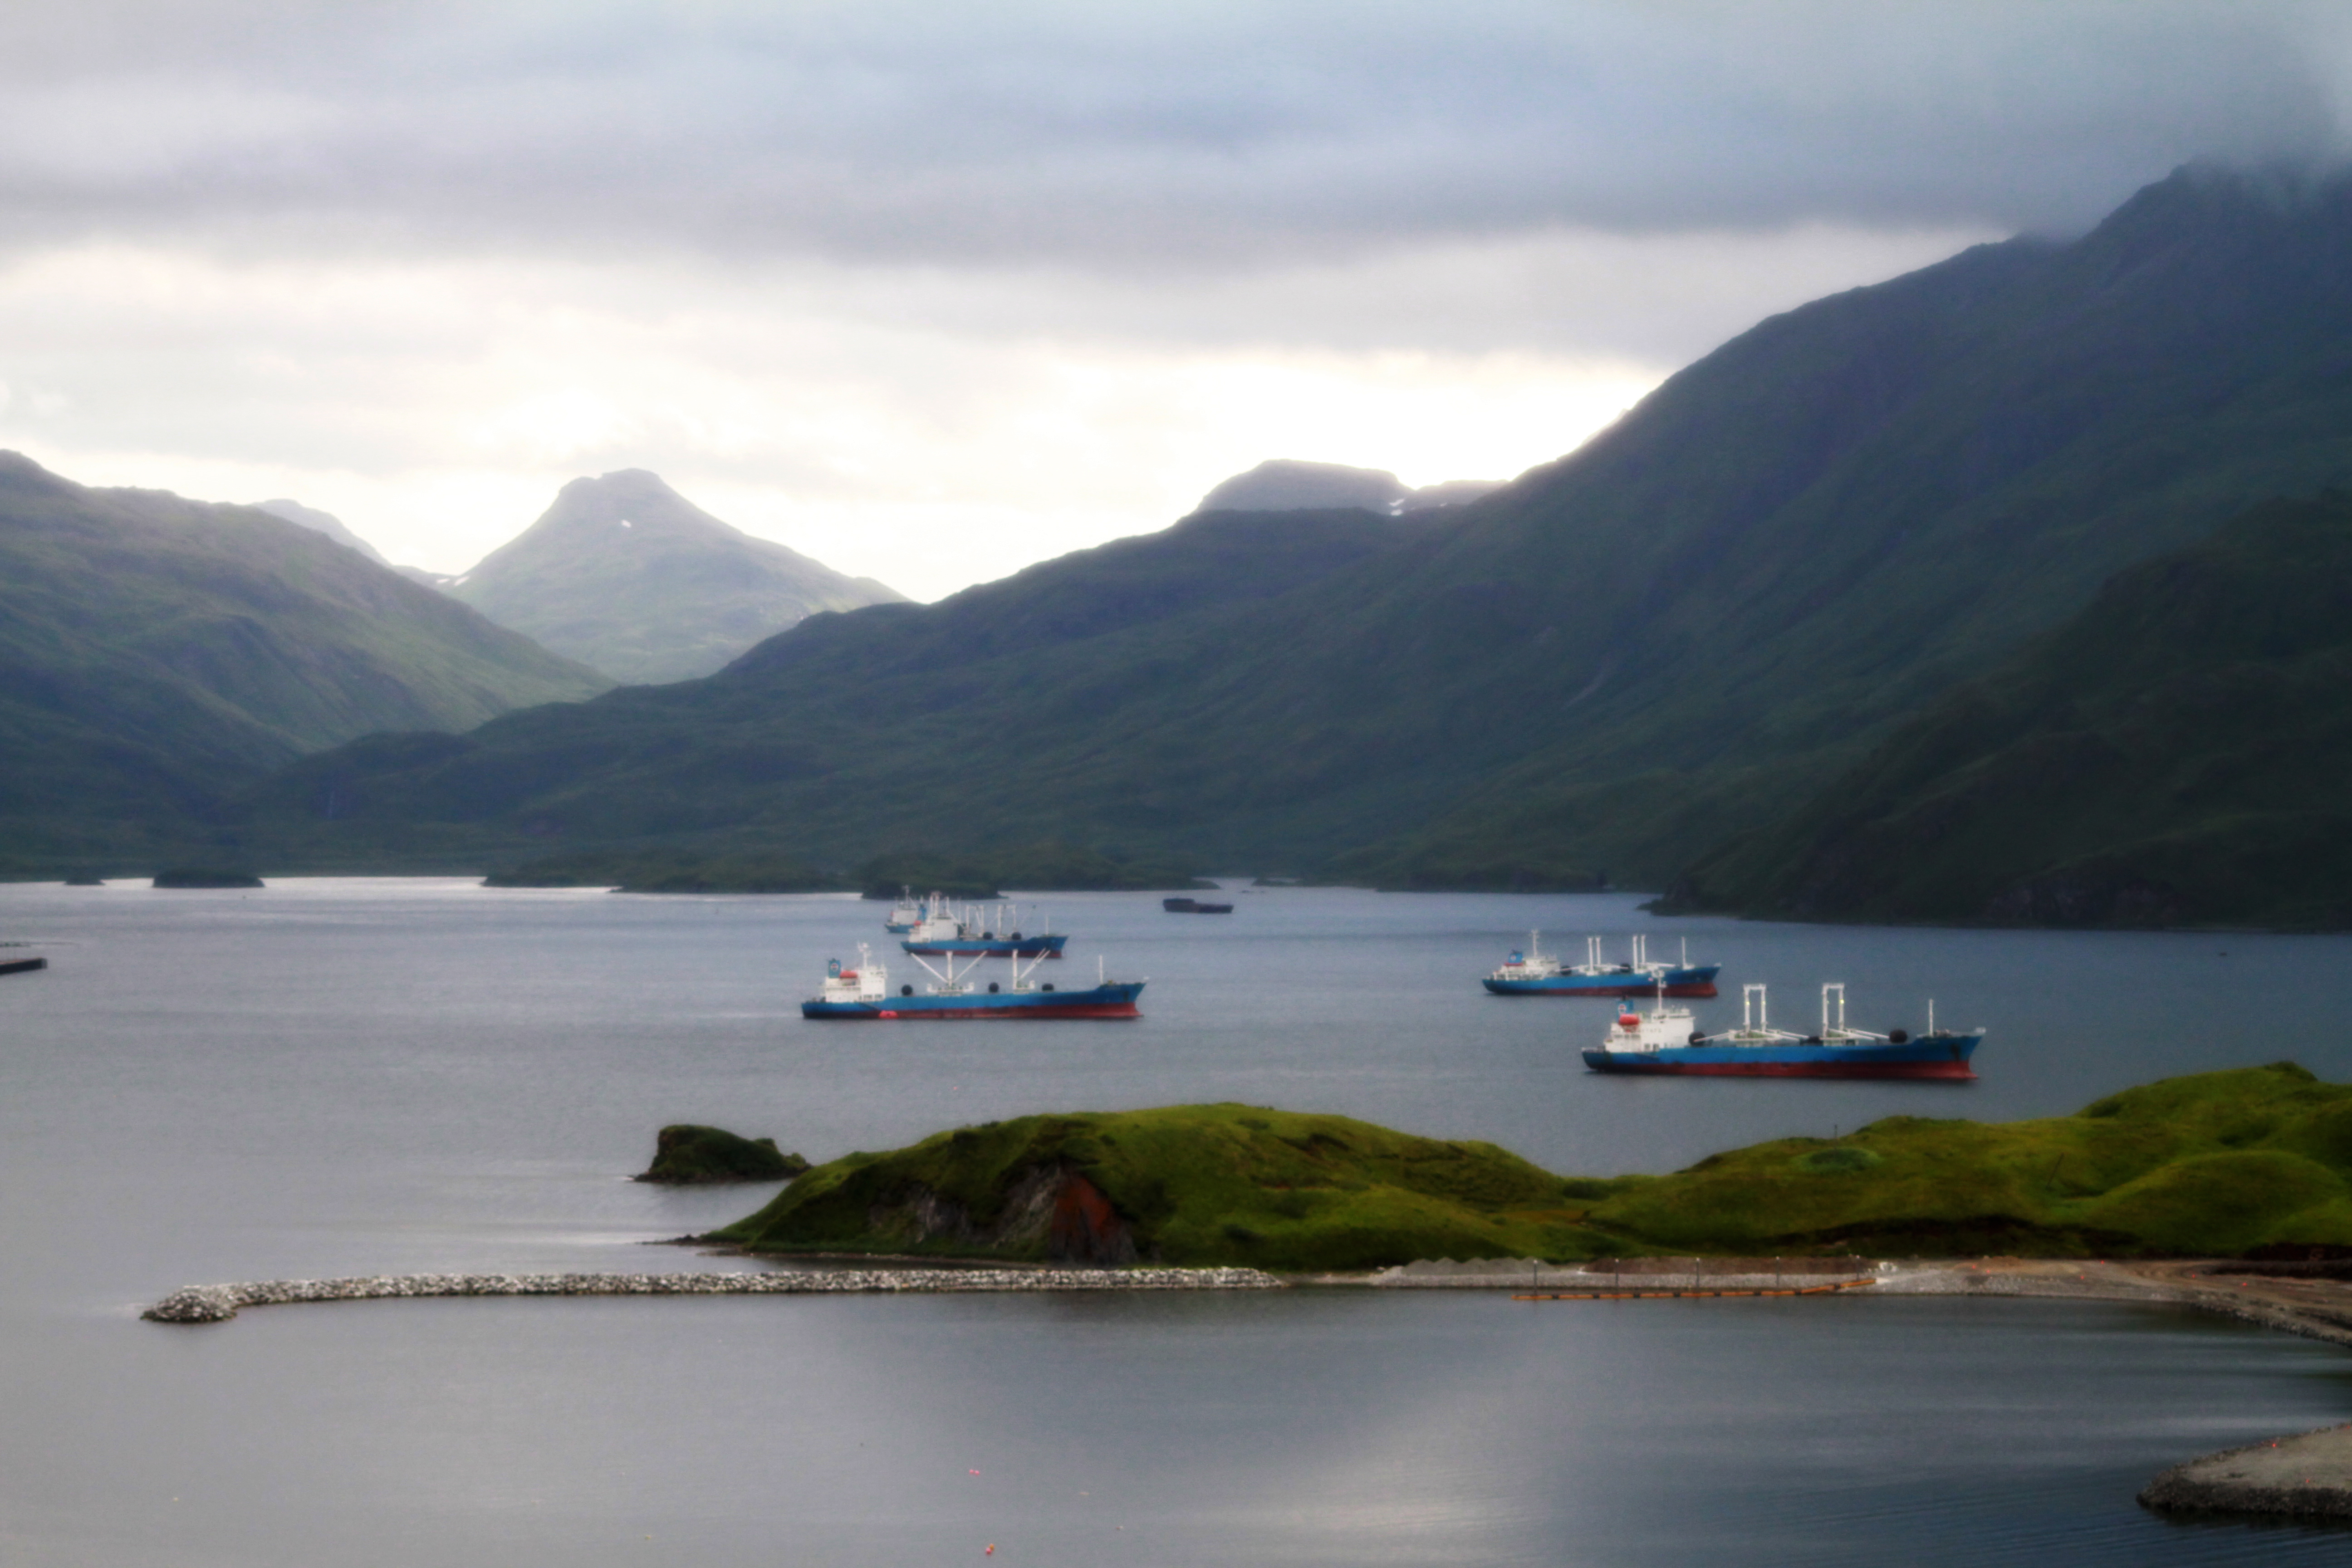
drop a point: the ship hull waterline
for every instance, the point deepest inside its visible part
(1699, 979)
(987, 947)
(1945, 1058)
(1116, 1000)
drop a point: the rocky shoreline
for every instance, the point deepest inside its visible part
(2267, 1304)
(219, 1304)
(2307, 1477)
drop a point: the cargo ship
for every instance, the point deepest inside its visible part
(904, 914)
(976, 933)
(1536, 973)
(865, 992)
(1663, 1041)
(1195, 907)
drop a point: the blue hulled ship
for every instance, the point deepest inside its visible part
(904, 914)
(1661, 1041)
(946, 932)
(865, 992)
(1536, 973)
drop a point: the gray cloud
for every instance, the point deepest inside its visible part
(1165, 138)
(931, 291)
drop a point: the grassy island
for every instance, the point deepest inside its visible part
(686, 1155)
(2250, 1160)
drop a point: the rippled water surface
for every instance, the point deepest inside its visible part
(345, 1077)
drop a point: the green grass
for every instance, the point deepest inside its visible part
(1195, 1184)
(2215, 1164)
(686, 1154)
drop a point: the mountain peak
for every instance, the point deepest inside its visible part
(636, 498)
(624, 574)
(1290, 484)
(2224, 208)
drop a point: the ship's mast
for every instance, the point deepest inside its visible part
(1020, 974)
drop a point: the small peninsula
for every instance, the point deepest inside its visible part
(2247, 1162)
(204, 876)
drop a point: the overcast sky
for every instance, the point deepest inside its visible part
(931, 291)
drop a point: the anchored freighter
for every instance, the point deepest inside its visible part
(1536, 973)
(944, 932)
(1663, 1041)
(904, 914)
(865, 992)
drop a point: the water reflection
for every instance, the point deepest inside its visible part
(332, 1077)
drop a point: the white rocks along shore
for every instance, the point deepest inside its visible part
(218, 1303)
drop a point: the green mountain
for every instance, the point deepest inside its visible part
(2215, 1164)
(156, 653)
(773, 755)
(625, 574)
(1671, 635)
(1803, 538)
(2176, 752)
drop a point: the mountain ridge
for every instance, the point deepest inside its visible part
(2170, 755)
(1624, 656)
(725, 754)
(156, 653)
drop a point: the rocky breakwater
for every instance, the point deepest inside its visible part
(219, 1304)
(1641, 1275)
(2305, 1477)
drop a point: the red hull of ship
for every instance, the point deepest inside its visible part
(1092, 1010)
(1947, 1070)
(1621, 992)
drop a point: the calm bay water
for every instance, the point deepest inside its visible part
(335, 1076)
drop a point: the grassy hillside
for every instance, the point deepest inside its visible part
(626, 575)
(1192, 1183)
(156, 653)
(1617, 661)
(2175, 753)
(792, 749)
(2214, 1165)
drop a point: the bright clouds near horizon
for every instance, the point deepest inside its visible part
(930, 429)
(931, 294)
